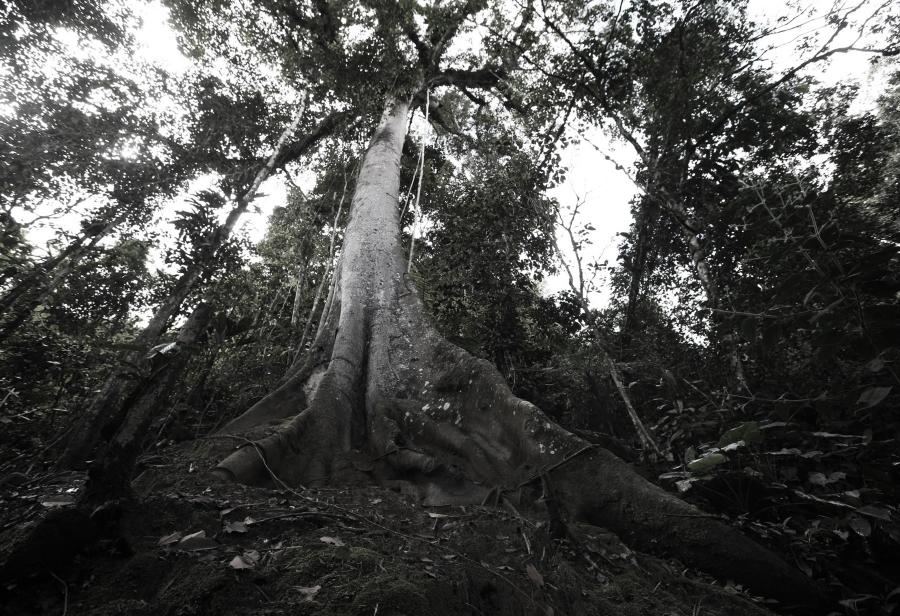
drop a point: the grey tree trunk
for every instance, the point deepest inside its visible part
(382, 396)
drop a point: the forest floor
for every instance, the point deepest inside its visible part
(189, 545)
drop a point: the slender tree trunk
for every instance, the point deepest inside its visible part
(21, 301)
(299, 285)
(691, 233)
(638, 266)
(111, 477)
(199, 392)
(382, 396)
(102, 417)
(329, 267)
(579, 290)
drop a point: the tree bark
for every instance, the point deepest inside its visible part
(299, 286)
(382, 396)
(638, 266)
(111, 476)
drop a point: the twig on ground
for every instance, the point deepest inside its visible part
(65, 592)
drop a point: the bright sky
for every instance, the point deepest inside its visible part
(607, 191)
(592, 178)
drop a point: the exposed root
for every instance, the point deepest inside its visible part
(446, 423)
(398, 403)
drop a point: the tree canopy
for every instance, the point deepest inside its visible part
(424, 307)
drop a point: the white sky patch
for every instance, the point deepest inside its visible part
(157, 42)
(605, 194)
(272, 194)
(605, 191)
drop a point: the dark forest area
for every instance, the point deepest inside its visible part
(298, 314)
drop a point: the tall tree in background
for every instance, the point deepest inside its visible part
(376, 391)
(381, 394)
(668, 78)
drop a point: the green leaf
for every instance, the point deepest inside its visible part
(872, 396)
(706, 463)
(876, 365)
(689, 454)
(748, 432)
(872, 511)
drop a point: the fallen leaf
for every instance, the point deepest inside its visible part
(873, 396)
(432, 514)
(534, 575)
(684, 485)
(309, 592)
(235, 527)
(818, 479)
(332, 541)
(196, 541)
(242, 562)
(57, 501)
(169, 539)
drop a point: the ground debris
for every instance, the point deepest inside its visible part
(199, 548)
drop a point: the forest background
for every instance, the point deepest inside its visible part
(742, 343)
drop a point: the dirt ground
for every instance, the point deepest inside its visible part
(190, 545)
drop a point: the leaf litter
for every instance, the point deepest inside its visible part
(199, 548)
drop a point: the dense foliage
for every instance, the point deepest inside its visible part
(755, 302)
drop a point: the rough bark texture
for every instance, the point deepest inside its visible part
(111, 475)
(382, 396)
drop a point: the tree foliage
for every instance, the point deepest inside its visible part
(754, 309)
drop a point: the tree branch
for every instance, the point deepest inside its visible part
(303, 144)
(482, 78)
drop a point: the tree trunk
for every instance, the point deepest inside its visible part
(382, 396)
(105, 412)
(111, 476)
(704, 274)
(638, 267)
(21, 301)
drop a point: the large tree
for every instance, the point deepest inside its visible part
(381, 395)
